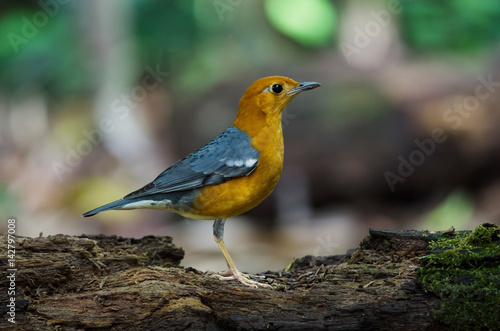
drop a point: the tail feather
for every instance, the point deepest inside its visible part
(172, 201)
(112, 205)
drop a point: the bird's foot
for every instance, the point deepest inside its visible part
(220, 274)
(241, 277)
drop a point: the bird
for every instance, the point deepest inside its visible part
(231, 174)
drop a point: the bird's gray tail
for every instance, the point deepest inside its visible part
(112, 205)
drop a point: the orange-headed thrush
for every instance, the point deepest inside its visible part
(230, 175)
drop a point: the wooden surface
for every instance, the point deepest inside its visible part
(116, 283)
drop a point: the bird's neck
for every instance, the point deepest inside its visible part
(265, 131)
(257, 122)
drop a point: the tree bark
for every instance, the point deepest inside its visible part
(90, 282)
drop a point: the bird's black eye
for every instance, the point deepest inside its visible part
(277, 88)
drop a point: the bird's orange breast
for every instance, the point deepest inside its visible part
(244, 193)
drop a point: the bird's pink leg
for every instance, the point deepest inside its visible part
(233, 273)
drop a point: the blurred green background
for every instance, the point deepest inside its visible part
(98, 97)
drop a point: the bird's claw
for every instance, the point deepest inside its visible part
(241, 277)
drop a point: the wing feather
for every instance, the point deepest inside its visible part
(228, 156)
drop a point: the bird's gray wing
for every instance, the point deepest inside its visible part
(228, 156)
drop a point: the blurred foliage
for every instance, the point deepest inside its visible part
(450, 25)
(154, 29)
(456, 209)
(8, 203)
(309, 22)
(34, 60)
(192, 37)
(92, 191)
(355, 102)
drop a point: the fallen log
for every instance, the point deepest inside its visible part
(115, 283)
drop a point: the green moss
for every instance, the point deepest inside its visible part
(463, 270)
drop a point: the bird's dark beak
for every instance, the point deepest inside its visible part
(304, 86)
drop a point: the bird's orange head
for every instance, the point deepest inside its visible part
(265, 100)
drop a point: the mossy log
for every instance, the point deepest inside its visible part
(109, 282)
